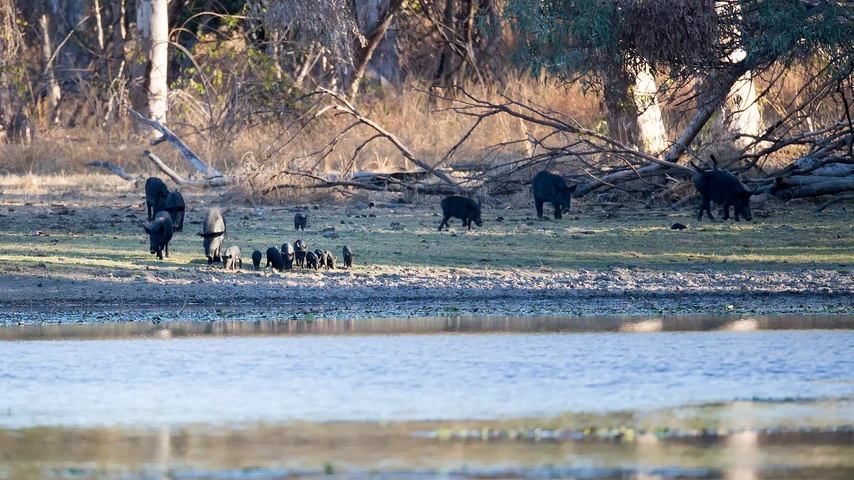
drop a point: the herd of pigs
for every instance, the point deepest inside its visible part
(166, 214)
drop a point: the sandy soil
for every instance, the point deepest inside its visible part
(58, 276)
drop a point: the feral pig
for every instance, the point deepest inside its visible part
(348, 256)
(256, 259)
(463, 208)
(288, 255)
(311, 260)
(274, 259)
(213, 231)
(175, 207)
(231, 259)
(159, 234)
(155, 196)
(300, 250)
(321, 257)
(330, 260)
(549, 187)
(723, 188)
(300, 221)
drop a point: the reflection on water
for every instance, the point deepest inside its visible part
(592, 397)
(457, 324)
(389, 451)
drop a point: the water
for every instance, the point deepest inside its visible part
(286, 398)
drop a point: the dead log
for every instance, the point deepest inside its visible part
(167, 135)
(831, 187)
(113, 168)
(840, 198)
(801, 180)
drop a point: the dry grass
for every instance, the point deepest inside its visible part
(424, 126)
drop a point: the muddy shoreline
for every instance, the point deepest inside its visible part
(387, 292)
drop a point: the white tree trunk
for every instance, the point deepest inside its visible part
(745, 118)
(741, 110)
(158, 88)
(651, 131)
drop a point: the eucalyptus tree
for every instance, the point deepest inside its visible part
(606, 45)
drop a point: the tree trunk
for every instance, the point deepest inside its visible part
(141, 63)
(651, 130)
(50, 86)
(446, 29)
(745, 118)
(158, 87)
(621, 111)
(149, 88)
(119, 34)
(376, 34)
(99, 27)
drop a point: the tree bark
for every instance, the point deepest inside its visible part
(651, 130)
(50, 86)
(158, 88)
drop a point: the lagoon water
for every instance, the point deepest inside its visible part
(235, 376)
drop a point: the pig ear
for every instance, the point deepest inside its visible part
(572, 188)
(147, 230)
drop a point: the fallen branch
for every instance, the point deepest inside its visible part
(113, 168)
(343, 105)
(206, 182)
(195, 161)
(833, 201)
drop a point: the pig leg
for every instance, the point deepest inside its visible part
(735, 209)
(539, 204)
(167, 250)
(469, 223)
(705, 205)
(557, 210)
(444, 222)
(726, 206)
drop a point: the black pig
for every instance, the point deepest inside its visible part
(463, 208)
(231, 259)
(213, 231)
(288, 255)
(549, 187)
(348, 256)
(321, 257)
(175, 207)
(311, 260)
(155, 196)
(274, 259)
(256, 259)
(300, 221)
(159, 234)
(723, 188)
(300, 250)
(330, 260)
